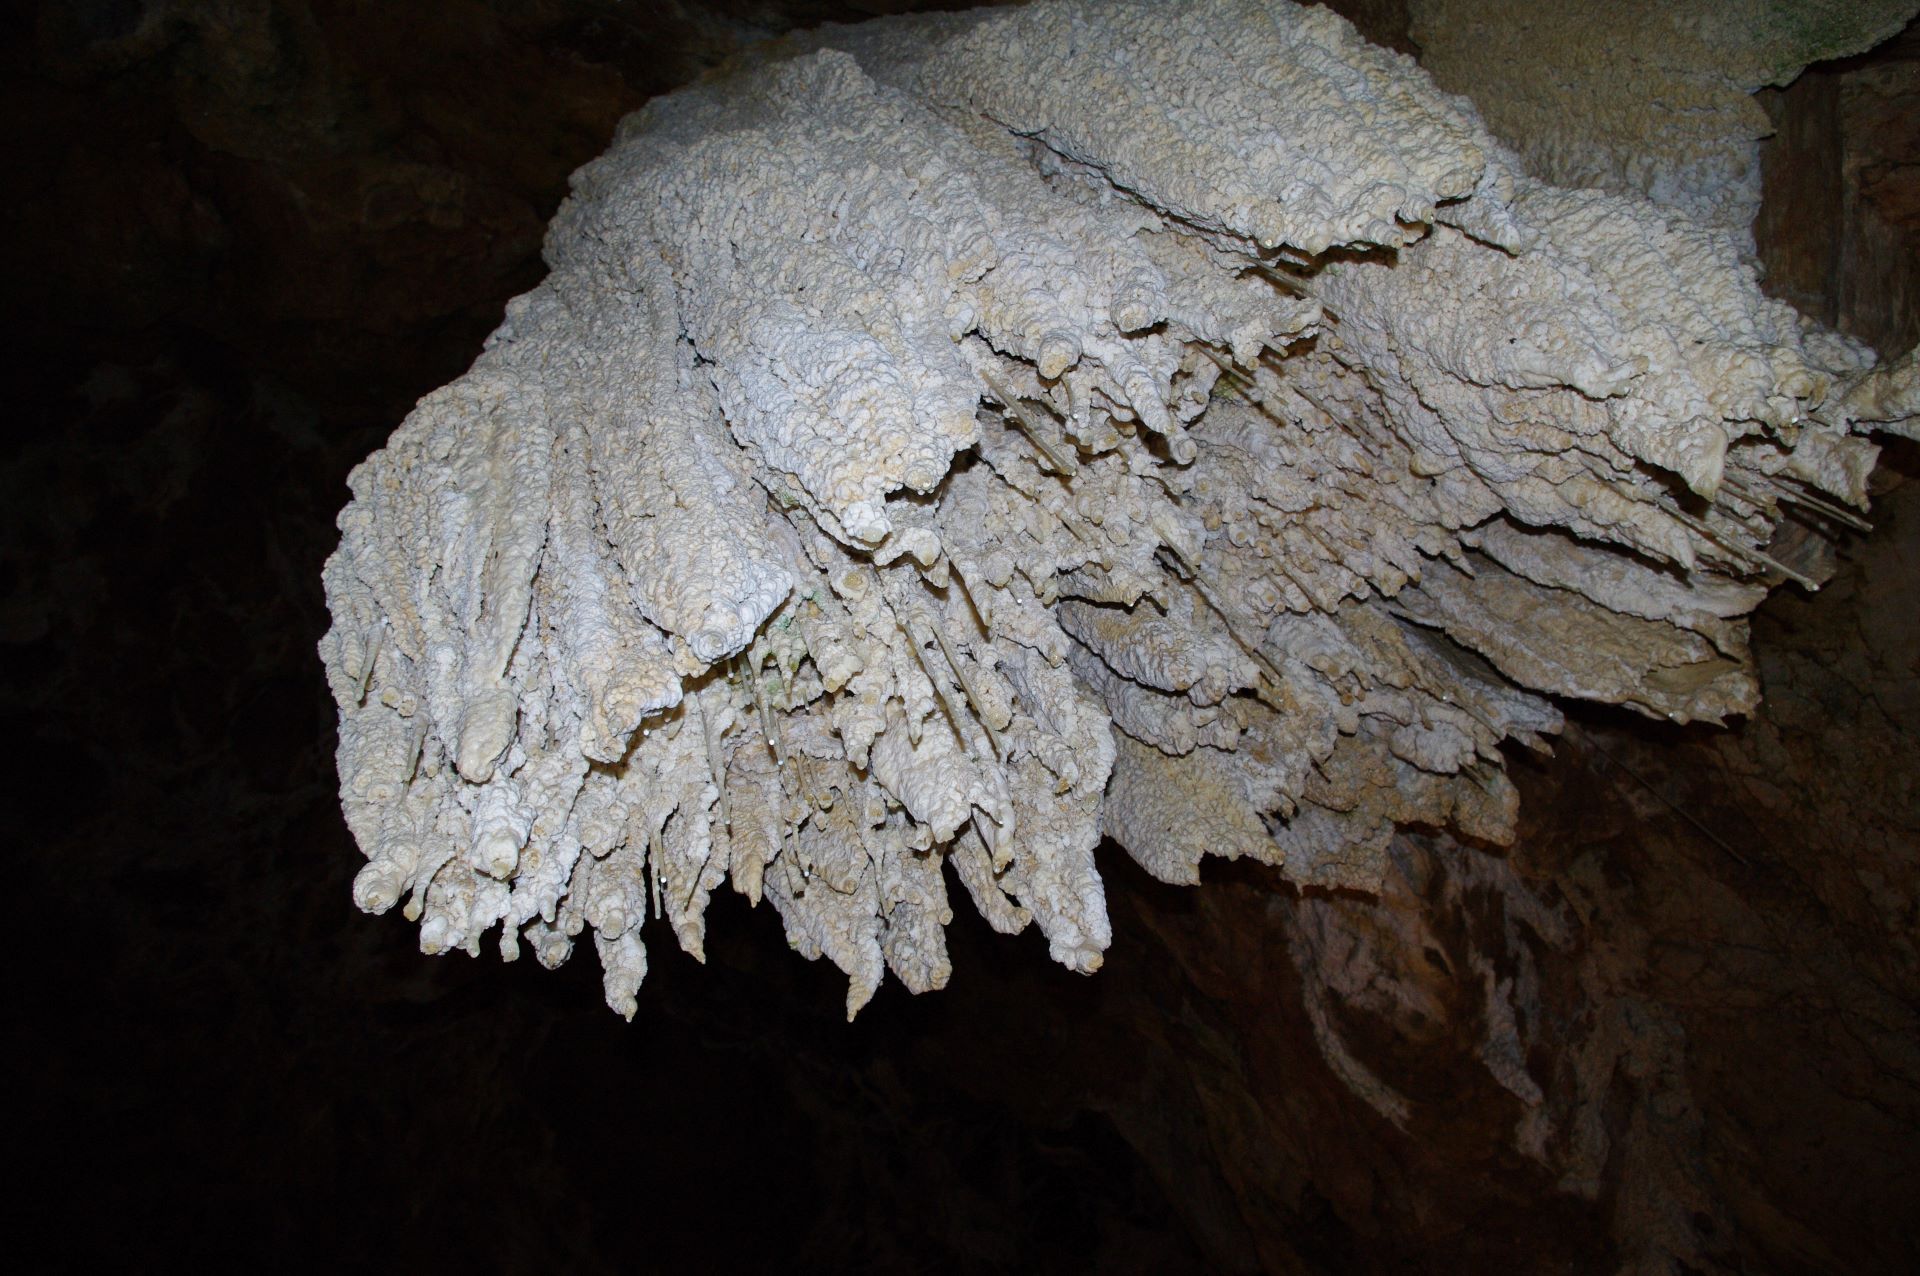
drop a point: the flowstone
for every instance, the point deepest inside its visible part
(949, 441)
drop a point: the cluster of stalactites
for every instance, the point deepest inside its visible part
(967, 439)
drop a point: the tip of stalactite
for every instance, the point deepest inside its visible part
(737, 565)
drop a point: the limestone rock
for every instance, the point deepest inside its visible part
(966, 437)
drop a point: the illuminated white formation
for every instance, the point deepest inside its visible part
(964, 438)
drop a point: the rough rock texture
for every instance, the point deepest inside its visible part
(1648, 96)
(961, 438)
(1698, 954)
(1846, 153)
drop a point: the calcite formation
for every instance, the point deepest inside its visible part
(944, 443)
(1650, 96)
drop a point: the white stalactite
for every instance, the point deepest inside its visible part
(965, 437)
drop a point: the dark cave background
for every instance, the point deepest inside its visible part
(247, 234)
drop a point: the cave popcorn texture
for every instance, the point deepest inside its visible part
(949, 441)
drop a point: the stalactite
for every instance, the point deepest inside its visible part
(961, 438)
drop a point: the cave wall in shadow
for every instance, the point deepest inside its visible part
(1840, 210)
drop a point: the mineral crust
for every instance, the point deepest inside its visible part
(947, 442)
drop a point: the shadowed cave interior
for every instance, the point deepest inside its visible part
(249, 236)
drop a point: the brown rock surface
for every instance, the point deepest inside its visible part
(1841, 193)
